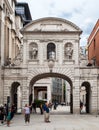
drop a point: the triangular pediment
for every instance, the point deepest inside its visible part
(51, 24)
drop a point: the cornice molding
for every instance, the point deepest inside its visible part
(50, 40)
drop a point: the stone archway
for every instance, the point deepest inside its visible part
(86, 96)
(16, 95)
(64, 37)
(45, 75)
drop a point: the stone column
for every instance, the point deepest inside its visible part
(98, 94)
(0, 61)
(76, 92)
(19, 100)
(10, 44)
(94, 106)
(2, 43)
(25, 93)
(76, 98)
(76, 54)
(33, 94)
(24, 51)
(60, 58)
(49, 92)
(1, 87)
(40, 56)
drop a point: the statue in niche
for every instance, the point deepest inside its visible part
(68, 51)
(34, 53)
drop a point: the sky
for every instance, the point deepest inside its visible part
(83, 13)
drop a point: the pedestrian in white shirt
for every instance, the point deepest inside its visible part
(27, 113)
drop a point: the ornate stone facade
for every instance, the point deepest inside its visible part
(56, 35)
(10, 39)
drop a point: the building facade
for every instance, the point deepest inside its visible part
(50, 48)
(10, 39)
(93, 45)
(56, 40)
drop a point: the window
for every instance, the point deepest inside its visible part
(51, 51)
(20, 10)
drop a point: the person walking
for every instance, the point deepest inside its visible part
(2, 114)
(46, 112)
(34, 107)
(81, 106)
(8, 118)
(27, 113)
(41, 108)
(13, 110)
(5, 112)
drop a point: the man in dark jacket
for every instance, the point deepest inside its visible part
(46, 112)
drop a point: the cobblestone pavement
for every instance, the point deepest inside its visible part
(58, 122)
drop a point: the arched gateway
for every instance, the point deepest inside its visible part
(59, 75)
(53, 40)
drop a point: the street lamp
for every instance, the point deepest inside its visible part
(51, 60)
(51, 64)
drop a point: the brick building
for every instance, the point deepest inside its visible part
(93, 45)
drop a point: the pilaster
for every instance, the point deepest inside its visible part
(49, 92)
(76, 50)
(25, 93)
(76, 98)
(24, 52)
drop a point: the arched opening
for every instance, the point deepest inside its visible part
(51, 51)
(16, 96)
(36, 88)
(85, 97)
